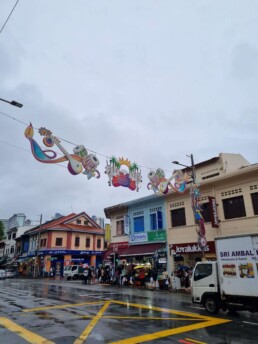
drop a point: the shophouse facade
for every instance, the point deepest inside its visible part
(69, 240)
(229, 196)
(138, 232)
(228, 186)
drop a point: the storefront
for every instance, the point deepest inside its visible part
(57, 259)
(25, 266)
(114, 253)
(142, 254)
(188, 254)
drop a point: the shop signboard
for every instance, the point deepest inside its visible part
(159, 235)
(162, 253)
(213, 212)
(126, 224)
(138, 237)
(108, 232)
(162, 260)
(188, 248)
(69, 252)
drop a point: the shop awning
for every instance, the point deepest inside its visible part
(23, 259)
(10, 261)
(110, 252)
(141, 250)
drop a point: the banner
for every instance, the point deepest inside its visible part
(213, 212)
(126, 224)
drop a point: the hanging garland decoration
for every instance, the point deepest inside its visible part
(158, 182)
(79, 162)
(197, 210)
(129, 177)
(121, 172)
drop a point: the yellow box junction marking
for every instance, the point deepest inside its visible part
(203, 321)
(91, 325)
(207, 321)
(27, 335)
(69, 305)
(194, 341)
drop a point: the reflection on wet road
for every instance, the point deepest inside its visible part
(58, 312)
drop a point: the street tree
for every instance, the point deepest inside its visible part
(2, 232)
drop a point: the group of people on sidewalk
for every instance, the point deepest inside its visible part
(128, 276)
(131, 276)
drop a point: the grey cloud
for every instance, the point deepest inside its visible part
(245, 62)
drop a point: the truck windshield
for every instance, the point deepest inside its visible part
(67, 268)
(201, 271)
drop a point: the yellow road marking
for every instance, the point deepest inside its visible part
(145, 318)
(195, 341)
(29, 336)
(203, 321)
(70, 305)
(91, 325)
(206, 321)
(171, 332)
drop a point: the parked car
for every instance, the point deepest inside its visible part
(2, 274)
(9, 273)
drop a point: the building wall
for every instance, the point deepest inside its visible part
(242, 183)
(54, 236)
(17, 220)
(82, 245)
(113, 222)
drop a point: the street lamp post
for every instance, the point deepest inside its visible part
(192, 167)
(13, 102)
(196, 205)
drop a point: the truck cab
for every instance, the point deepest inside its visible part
(205, 288)
(73, 272)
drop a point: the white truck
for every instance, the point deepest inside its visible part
(73, 272)
(231, 282)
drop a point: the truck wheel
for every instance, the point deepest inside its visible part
(68, 278)
(75, 277)
(211, 305)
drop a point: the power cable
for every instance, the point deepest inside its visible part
(71, 143)
(9, 16)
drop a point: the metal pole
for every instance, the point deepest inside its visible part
(38, 244)
(193, 168)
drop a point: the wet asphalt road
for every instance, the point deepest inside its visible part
(65, 312)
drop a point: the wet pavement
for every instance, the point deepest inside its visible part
(59, 311)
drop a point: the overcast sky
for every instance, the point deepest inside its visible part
(151, 81)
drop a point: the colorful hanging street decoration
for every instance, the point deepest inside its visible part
(79, 162)
(197, 210)
(122, 173)
(158, 182)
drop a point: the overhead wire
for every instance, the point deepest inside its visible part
(9, 16)
(71, 143)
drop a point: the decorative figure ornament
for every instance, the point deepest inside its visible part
(197, 210)
(130, 176)
(76, 161)
(158, 182)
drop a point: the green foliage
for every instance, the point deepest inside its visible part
(2, 233)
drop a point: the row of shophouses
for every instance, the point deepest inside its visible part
(161, 230)
(158, 231)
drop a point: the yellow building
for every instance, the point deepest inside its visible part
(228, 187)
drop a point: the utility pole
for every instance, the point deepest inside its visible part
(36, 264)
